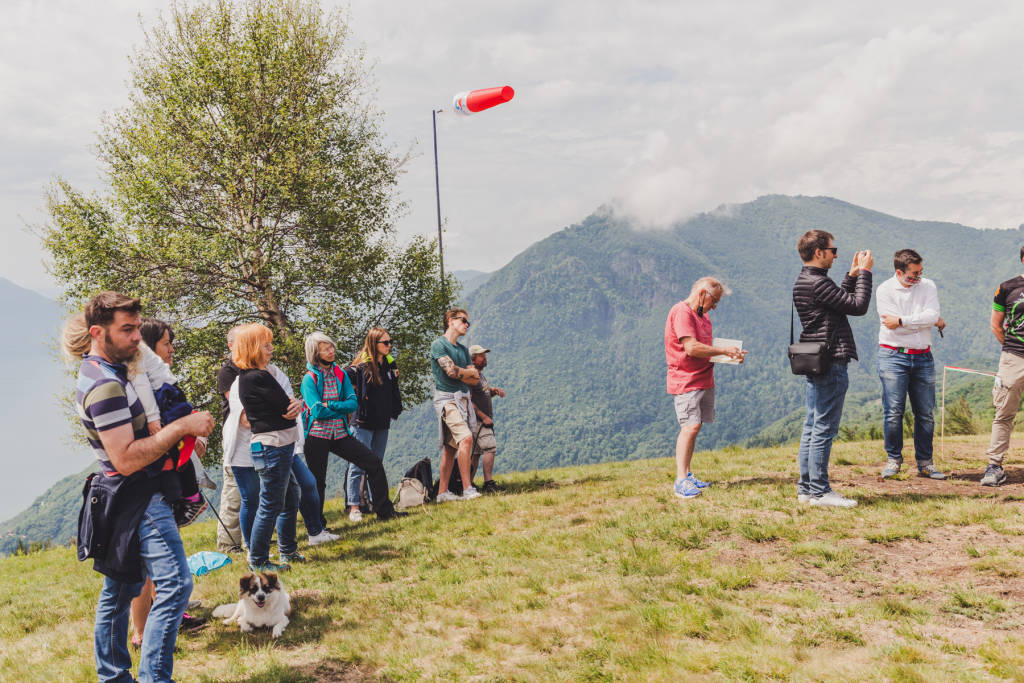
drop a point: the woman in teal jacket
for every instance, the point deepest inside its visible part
(330, 399)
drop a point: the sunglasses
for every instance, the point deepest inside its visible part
(463, 320)
(834, 250)
(385, 342)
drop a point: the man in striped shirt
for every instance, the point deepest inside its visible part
(115, 424)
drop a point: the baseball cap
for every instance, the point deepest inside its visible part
(476, 349)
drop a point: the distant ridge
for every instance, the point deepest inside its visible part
(576, 321)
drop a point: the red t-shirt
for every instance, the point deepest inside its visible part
(686, 373)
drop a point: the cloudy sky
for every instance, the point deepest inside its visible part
(661, 109)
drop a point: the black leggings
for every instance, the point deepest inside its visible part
(348, 448)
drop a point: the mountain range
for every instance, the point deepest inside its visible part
(575, 325)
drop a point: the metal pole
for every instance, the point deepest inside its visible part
(437, 191)
(942, 426)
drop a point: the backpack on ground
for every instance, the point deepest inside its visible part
(414, 489)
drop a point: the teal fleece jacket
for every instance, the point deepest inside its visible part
(312, 391)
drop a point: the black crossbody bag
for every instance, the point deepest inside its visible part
(809, 358)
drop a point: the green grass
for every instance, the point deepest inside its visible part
(599, 574)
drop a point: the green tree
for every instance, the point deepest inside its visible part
(248, 180)
(959, 418)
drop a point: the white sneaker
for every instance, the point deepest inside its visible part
(324, 536)
(803, 498)
(833, 499)
(355, 515)
(447, 497)
(470, 493)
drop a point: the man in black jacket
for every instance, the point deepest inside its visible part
(823, 306)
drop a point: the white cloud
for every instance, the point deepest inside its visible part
(665, 108)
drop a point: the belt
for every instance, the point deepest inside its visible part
(903, 349)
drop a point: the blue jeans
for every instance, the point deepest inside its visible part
(903, 375)
(163, 560)
(278, 502)
(377, 441)
(824, 395)
(309, 499)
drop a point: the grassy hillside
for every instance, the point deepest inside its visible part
(599, 573)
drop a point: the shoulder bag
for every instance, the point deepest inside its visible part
(808, 358)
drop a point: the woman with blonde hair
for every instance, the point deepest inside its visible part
(374, 377)
(271, 415)
(328, 393)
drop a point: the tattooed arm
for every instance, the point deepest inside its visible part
(469, 376)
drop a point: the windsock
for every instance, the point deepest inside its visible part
(472, 101)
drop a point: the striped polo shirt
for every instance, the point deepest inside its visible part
(105, 399)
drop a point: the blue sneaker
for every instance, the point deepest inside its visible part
(697, 482)
(686, 489)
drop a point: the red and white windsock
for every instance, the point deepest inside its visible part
(472, 101)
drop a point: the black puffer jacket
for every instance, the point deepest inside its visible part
(823, 306)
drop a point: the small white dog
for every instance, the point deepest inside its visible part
(263, 602)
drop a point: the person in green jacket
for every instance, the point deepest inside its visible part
(330, 399)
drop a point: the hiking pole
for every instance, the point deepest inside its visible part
(221, 521)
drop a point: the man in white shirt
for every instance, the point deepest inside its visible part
(908, 309)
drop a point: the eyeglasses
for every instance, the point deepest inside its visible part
(385, 342)
(463, 320)
(834, 250)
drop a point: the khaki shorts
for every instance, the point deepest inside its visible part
(485, 441)
(696, 407)
(455, 428)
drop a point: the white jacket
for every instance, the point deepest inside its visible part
(153, 374)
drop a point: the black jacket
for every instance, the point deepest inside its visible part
(264, 401)
(378, 404)
(108, 522)
(823, 306)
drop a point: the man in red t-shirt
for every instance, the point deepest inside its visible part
(691, 376)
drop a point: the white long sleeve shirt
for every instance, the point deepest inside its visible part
(917, 306)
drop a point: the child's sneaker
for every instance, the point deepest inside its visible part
(203, 479)
(186, 511)
(686, 489)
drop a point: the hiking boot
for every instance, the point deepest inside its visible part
(930, 471)
(447, 497)
(697, 482)
(892, 468)
(470, 493)
(491, 487)
(269, 566)
(994, 476)
(289, 558)
(323, 537)
(686, 489)
(186, 512)
(190, 624)
(355, 515)
(834, 500)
